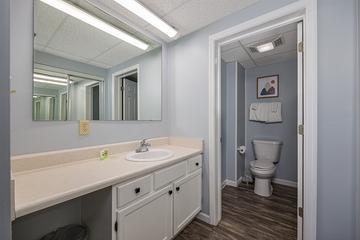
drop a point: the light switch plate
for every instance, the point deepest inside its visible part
(84, 127)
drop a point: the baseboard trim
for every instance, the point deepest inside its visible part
(285, 182)
(203, 217)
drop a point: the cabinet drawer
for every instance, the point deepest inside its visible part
(167, 175)
(133, 190)
(194, 163)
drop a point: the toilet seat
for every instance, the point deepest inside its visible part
(262, 164)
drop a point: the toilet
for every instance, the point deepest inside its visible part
(263, 168)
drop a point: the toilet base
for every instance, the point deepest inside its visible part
(263, 187)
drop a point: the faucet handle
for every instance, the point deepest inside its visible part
(144, 143)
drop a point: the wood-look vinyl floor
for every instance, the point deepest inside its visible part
(249, 216)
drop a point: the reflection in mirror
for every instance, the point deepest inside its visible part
(100, 69)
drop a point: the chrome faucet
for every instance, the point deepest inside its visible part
(144, 146)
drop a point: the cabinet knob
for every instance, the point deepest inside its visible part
(197, 164)
(177, 189)
(137, 190)
(170, 192)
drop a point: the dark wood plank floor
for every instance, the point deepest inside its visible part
(249, 216)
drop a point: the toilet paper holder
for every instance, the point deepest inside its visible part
(242, 149)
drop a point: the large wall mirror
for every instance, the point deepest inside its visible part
(89, 65)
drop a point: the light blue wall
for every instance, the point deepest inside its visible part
(5, 233)
(241, 119)
(28, 136)
(228, 120)
(286, 131)
(188, 79)
(149, 84)
(336, 119)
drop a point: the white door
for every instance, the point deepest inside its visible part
(187, 200)
(149, 219)
(129, 99)
(300, 139)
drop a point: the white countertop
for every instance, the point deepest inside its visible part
(45, 187)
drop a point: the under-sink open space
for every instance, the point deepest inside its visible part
(76, 211)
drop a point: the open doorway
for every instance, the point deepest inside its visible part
(125, 94)
(261, 109)
(278, 18)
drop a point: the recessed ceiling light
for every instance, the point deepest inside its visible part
(50, 82)
(95, 22)
(265, 47)
(144, 13)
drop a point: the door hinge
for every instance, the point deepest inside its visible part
(116, 226)
(301, 211)
(301, 129)
(122, 88)
(300, 47)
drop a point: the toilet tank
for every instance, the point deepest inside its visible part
(267, 150)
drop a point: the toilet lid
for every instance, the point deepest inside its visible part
(263, 164)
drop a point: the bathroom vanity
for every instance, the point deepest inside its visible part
(116, 198)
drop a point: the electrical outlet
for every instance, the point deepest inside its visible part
(84, 127)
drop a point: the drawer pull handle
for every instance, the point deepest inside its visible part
(170, 192)
(177, 189)
(137, 190)
(197, 164)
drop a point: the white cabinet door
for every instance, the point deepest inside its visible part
(149, 219)
(187, 200)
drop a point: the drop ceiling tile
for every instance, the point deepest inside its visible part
(162, 7)
(247, 64)
(99, 64)
(230, 46)
(196, 14)
(78, 38)
(236, 54)
(119, 54)
(38, 46)
(65, 55)
(47, 21)
(276, 58)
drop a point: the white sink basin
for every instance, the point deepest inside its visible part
(150, 156)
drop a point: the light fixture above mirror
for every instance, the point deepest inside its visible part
(148, 16)
(95, 22)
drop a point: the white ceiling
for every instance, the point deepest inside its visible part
(62, 35)
(186, 16)
(238, 50)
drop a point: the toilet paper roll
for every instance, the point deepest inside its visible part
(242, 149)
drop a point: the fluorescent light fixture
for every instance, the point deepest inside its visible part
(50, 82)
(144, 13)
(46, 77)
(95, 22)
(265, 47)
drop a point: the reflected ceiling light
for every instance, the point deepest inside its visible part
(46, 77)
(265, 47)
(95, 22)
(50, 82)
(144, 13)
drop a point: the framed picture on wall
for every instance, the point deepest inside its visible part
(268, 86)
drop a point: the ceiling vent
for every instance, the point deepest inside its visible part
(266, 46)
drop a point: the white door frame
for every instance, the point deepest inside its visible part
(302, 10)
